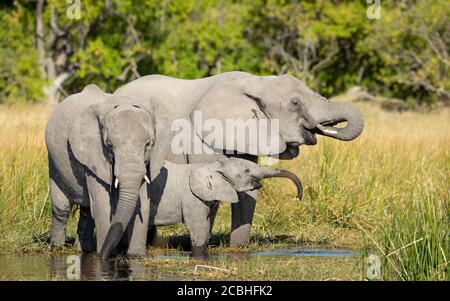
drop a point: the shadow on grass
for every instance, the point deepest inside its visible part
(182, 242)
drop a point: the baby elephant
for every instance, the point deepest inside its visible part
(190, 194)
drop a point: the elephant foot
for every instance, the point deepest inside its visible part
(58, 241)
(54, 247)
(240, 236)
(199, 252)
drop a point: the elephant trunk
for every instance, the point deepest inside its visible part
(130, 183)
(328, 113)
(280, 173)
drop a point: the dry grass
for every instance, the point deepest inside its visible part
(381, 191)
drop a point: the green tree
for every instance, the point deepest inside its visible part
(316, 41)
(20, 78)
(331, 45)
(412, 41)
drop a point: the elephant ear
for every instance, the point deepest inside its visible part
(208, 184)
(238, 103)
(85, 137)
(163, 138)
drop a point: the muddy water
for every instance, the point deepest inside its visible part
(89, 267)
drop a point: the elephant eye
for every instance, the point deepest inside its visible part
(247, 170)
(295, 101)
(109, 144)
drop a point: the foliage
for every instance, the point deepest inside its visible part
(329, 44)
(315, 41)
(412, 43)
(20, 78)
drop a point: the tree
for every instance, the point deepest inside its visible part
(20, 79)
(331, 45)
(412, 42)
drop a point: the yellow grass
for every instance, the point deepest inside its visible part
(353, 190)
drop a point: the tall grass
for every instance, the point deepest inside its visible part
(392, 185)
(24, 192)
(388, 190)
(415, 239)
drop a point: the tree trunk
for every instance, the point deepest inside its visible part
(40, 35)
(52, 90)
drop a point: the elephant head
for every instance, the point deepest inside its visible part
(114, 140)
(222, 179)
(300, 112)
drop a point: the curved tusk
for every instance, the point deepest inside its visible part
(116, 183)
(146, 179)
(327, 130)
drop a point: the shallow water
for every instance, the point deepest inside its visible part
(90, 267)
(310, 253)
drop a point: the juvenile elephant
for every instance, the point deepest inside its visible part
(194, 191)
(300, 112)
(94, 140)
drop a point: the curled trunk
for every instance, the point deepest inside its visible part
(279, 173)
(327, 114)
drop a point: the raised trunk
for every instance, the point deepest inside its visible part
(328, 113)
(126, 206)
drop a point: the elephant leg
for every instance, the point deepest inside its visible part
(61, 207)
(242, 218)
(85, 230)
(152, 233)
(137, 230)
(212, 215)
(100, 203)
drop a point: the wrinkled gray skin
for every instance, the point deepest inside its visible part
(190, 193)
(95, 140)
(301, 112)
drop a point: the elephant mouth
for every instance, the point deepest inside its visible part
(309, 137)
(256, 185)
(327, 128)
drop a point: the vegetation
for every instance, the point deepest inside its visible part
(387, 192)
(332, 45)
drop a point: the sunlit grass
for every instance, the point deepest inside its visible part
(388, 191)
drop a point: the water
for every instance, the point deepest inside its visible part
(310, 253)
(90, 267)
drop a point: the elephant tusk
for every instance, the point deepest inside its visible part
(116, 183)
(146, 179)
(326, 130)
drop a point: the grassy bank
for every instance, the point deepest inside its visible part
(387, 191)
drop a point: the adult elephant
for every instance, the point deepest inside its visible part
(300, 112)
(100, 148)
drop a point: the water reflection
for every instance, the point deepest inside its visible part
(87, 267)
(91, 267)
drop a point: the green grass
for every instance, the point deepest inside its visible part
(416, 240)
(387, 192)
